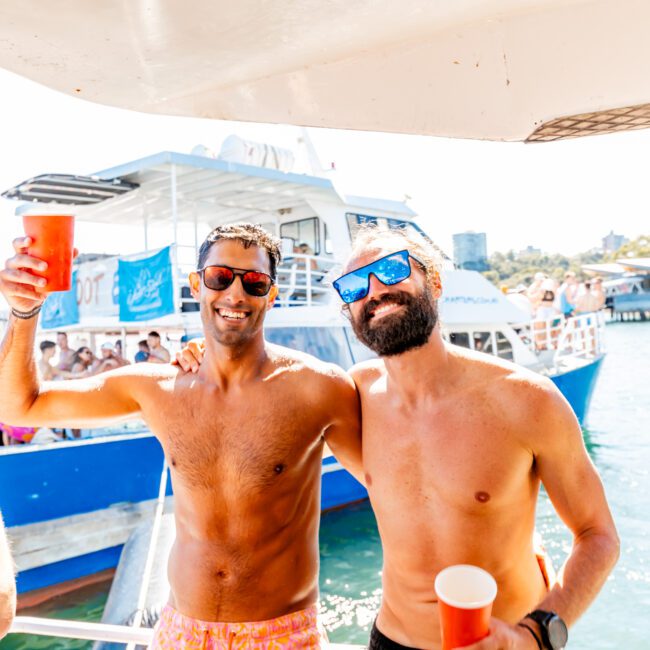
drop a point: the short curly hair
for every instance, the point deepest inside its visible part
(248, 234)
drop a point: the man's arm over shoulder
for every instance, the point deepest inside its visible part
(577, 493)
(343, 435)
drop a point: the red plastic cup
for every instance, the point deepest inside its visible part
(465, 596)
(52, 241)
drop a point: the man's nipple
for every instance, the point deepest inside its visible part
(482, 497)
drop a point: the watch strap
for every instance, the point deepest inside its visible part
(533, 633)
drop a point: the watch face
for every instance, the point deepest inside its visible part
(557, 633)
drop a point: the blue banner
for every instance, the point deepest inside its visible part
(146, 289)
(61, 308)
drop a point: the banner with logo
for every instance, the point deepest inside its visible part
(146, 289)
(98, 289)
(61, 308)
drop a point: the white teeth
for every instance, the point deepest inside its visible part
(226, 313)
(384, 307)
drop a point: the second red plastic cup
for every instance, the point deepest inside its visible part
(465, 596)
(52, 238)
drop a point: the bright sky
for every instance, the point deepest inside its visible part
(560, 197)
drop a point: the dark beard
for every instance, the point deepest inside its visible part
(400, 332)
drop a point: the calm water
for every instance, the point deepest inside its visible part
(618, 439)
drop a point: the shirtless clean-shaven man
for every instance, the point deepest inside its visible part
(243, 437)
(455, 447)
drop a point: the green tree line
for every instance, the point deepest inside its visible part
(511, 269)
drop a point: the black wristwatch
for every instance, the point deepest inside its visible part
(552, 628)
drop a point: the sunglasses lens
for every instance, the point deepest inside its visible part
(392, 269)
(217, 278)
(256, 284)
(352, 287)
(389, 270)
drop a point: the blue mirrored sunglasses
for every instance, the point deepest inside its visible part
(389, 270)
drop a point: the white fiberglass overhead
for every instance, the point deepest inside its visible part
(486, 69)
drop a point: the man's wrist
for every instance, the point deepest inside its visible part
(532, 629)
(26, 315)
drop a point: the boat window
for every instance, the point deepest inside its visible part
(459, 338)
(326, 343)
(304, 231)
(504, 347)
(483, 342)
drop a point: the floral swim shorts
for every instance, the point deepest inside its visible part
(296, 630)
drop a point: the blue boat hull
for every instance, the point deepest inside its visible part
(64, 480)
(578, 386)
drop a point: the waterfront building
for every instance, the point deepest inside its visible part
(470, 251)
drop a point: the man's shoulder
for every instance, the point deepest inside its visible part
(505, 380)
(304, 366)
(368, 371)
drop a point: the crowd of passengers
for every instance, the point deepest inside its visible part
(59, 362)
(546, 299)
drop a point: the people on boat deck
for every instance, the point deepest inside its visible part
(7, 584)
(243, 437)
(590, 297)
(47, 369)
(566, 294)
(65, 353)
(142, 354)
(456, 445)
(157, 352)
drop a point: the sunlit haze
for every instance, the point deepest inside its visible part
(560, 197)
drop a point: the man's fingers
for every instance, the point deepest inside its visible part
(20, 244)
(179, 360)
(24, 261)
(17, 276)
(23, 291)
(197, 348)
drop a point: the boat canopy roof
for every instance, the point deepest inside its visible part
(170, 186)
(484, 69)
(468, 298)
(621, 266)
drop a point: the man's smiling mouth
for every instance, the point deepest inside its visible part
(232, 314)
(385, 308)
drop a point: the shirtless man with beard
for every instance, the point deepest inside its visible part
(455, 447)
(243, 438)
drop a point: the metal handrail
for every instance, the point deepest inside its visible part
(573, 336)
(98, 631)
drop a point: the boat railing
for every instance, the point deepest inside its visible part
(300, 280)
(576, 336)
(97, 631)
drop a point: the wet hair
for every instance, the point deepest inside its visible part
(247, 234)
(143, 344)
(154, 334)
(47, 345)
(429, 255)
